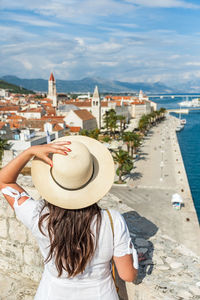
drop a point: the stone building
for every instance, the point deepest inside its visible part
(82, 119)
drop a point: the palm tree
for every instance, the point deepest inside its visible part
(122, 120)
(127, 138)
(163, 112)
(106, 118)
(4, 145)
(144, 123)
(125, 163)
(135, 143)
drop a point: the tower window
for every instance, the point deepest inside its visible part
(96, 102)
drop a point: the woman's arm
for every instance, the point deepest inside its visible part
(125, 268)
(9, 174)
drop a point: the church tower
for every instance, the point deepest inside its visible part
(96, 107)
(52, 90)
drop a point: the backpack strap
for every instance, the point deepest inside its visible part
(113, 266)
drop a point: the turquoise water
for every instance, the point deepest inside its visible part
(189, 141)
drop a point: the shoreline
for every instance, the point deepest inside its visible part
(150, 196)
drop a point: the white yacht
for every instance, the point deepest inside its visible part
(193, 103)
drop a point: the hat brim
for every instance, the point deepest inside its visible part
(100, 184)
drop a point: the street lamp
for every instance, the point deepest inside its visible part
(161, 170)
(162, 153)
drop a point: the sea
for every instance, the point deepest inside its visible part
(189, 141)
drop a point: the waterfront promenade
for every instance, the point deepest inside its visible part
(151, 186)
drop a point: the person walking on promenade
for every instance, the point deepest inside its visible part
(74, 235)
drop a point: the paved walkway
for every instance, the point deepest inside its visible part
(151, 185)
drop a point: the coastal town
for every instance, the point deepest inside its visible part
(30, 119)
(149, 172)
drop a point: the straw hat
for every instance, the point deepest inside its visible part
(76, 180)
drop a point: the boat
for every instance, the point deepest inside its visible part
(183, 121)
(179, 127)
(193, 103)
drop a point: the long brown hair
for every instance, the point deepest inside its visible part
(72, 242)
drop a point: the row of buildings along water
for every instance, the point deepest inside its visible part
(27, 120)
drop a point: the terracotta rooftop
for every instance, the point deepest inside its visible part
(9, 108)
(138, 103)
(57, 127)
(51, 77)
(84, 115)
(74, 128)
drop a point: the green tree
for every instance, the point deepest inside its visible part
(125, 163)
(132, 140)
(106, 139)
(144, 123)
(122, 120)
(91, 133)
(110, 120)
(135, 143)
(94, 133)
(127, 138)
(84, 132)
(4, 145)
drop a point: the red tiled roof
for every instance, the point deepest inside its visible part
(74, 128)
(84, 114)
(48, 117)
(138, 103)
(16, 117)
(80, 103)
(51, 77)
(57, 127)
(9, 108)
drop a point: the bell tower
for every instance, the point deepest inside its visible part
(96, 106)
(52, 90)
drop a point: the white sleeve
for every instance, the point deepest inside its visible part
(122, 240)
(28, 211)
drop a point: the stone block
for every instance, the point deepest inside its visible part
(9, 264)
(3, 202)
(17, 231)
(10, 212)
(3, 228)
(195, 290)
(33, 273)
(32, 256)
(3, 212)
(31, 239)
(176, 265)
(183, 294)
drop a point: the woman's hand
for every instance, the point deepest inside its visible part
(42, 151)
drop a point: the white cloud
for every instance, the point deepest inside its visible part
(164, 3)
(20, 18)
(193, 63)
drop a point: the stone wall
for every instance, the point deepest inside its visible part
(19, 252)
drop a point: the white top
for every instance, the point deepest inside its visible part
(96, 282)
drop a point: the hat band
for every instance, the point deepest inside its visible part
(63, 187)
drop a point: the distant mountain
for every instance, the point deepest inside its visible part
(14, 88)
(88, 85)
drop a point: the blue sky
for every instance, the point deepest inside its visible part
(127, 40)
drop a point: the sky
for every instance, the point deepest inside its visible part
(126, 40)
